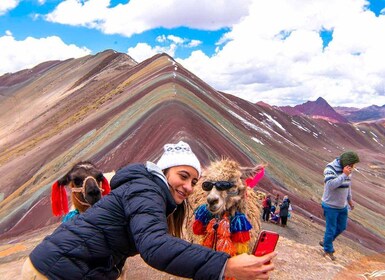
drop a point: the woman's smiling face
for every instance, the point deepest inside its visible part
(181, 180)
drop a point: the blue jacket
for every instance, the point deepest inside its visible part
(284, 208)
(129, 220)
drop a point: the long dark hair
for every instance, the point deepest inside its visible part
(176, 219)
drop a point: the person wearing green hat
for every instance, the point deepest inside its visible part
(336, 198)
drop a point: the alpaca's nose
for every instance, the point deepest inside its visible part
(93, 193)
(212, 200)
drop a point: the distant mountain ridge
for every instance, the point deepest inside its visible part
(322, 110)
(371, 113)
(316, 109)
(111, 110)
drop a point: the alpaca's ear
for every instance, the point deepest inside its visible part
(63, 181)
(105, 186)
(251, 171)
(253, 181)
(59, 199)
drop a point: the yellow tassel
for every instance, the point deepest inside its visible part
(242, 247)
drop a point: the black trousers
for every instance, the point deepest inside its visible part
(284, 221)
(266, 214)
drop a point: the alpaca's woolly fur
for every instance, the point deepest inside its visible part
(246, 201)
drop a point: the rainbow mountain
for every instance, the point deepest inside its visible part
(111, 110)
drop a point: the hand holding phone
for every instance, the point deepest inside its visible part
(266, 243)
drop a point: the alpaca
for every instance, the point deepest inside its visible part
(227, 212)
(87, 184)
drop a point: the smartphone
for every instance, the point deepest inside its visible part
(266, 242)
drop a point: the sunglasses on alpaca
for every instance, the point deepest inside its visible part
(219, 185)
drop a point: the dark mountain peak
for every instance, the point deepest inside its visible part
(322, 101)
(320, 109)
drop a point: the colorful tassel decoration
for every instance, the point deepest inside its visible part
(70, 215)
(199, 228)
(59, 199)
(240, 223)
(209, 239)
(240, 232)
(203, 214)
(105, 186)
(252, 182)
(230, 235)
(240, 237)
(241, 248)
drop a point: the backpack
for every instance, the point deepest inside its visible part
(264, 203)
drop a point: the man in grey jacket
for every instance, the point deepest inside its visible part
(336, 198)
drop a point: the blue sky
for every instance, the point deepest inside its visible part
(282, 52)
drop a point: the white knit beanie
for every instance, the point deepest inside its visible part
(178, 154)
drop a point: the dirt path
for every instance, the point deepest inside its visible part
(298, 256)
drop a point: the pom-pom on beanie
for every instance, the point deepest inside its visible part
(178, 154)
(349, 158)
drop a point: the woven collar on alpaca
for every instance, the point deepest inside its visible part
(226, 234)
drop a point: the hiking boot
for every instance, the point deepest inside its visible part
(321, 243)
(330, 255)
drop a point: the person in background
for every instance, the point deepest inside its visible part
(143, 214)
(276, 200)
(266, 205)
(284, 210)
(336, 198)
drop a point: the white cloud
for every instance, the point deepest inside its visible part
(176, 39)
(138, 16)
(16, 55)
(161, 39)
(6, 5)
(194, 43)
(273, 51)
(143, 51)
(169, 45)
(276, 55)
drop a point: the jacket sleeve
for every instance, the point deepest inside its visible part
(332, 180)
(146, 207)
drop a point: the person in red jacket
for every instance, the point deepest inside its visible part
(266, 206)
(143, 214)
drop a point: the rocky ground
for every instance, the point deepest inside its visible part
(299, 256)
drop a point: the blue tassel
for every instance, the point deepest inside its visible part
(202, 214)
(239, 223)
(70, 215)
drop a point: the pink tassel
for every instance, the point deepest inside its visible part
(252, 182)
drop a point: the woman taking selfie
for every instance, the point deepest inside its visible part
(143, 215)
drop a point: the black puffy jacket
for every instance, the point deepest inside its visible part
(128, 221)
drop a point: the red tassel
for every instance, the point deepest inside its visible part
(240, 237)
(252, 182)
(105, 186)
(198, 228)
(59, 199)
